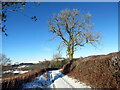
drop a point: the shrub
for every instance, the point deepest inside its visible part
(101, 71)
(18, 80)
(57, 64)
(115, 63)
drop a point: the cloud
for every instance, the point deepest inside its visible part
(47, 49)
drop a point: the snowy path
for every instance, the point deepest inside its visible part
(59, 81)
(54, 79)
(63, 81)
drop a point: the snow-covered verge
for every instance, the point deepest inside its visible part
(20, 72)
(54, 79)
(39, 82)
(23, 66)
(16, 71)
(9, 71)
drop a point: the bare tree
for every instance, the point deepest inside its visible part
(57, 56)
(74, 29)
(4, 60)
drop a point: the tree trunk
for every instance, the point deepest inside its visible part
(71, 56)
(70, 51)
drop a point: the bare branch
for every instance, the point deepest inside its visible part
(73, 29)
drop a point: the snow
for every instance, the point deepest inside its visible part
(75, 83)
(63, 81)
(17, 63)
(35, 62)
(7, 71)
(23, 66)
(20, 72)
(54, 79)
(16, 71)
(39, 82)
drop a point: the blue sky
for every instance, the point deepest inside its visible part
(29, 40)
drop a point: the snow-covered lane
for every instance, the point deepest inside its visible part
(54, 79)
(63, 81)
(58, 81)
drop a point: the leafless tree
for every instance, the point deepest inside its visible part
(57, 56)
(74, 29)
(4, 60)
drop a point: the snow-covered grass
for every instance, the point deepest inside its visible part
(16, 71)
(34, 62)
(39, 82)
(23, 66)
(9, 71)
(18, 80)
(19, 72)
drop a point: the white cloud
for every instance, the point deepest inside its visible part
(47, 49)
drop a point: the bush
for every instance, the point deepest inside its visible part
(18, 80)
(57, 64)
(115, 64)
(101, 71)
(36, 66)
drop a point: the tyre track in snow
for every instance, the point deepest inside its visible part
(68, 83)
(65, 81)
(51, 78)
